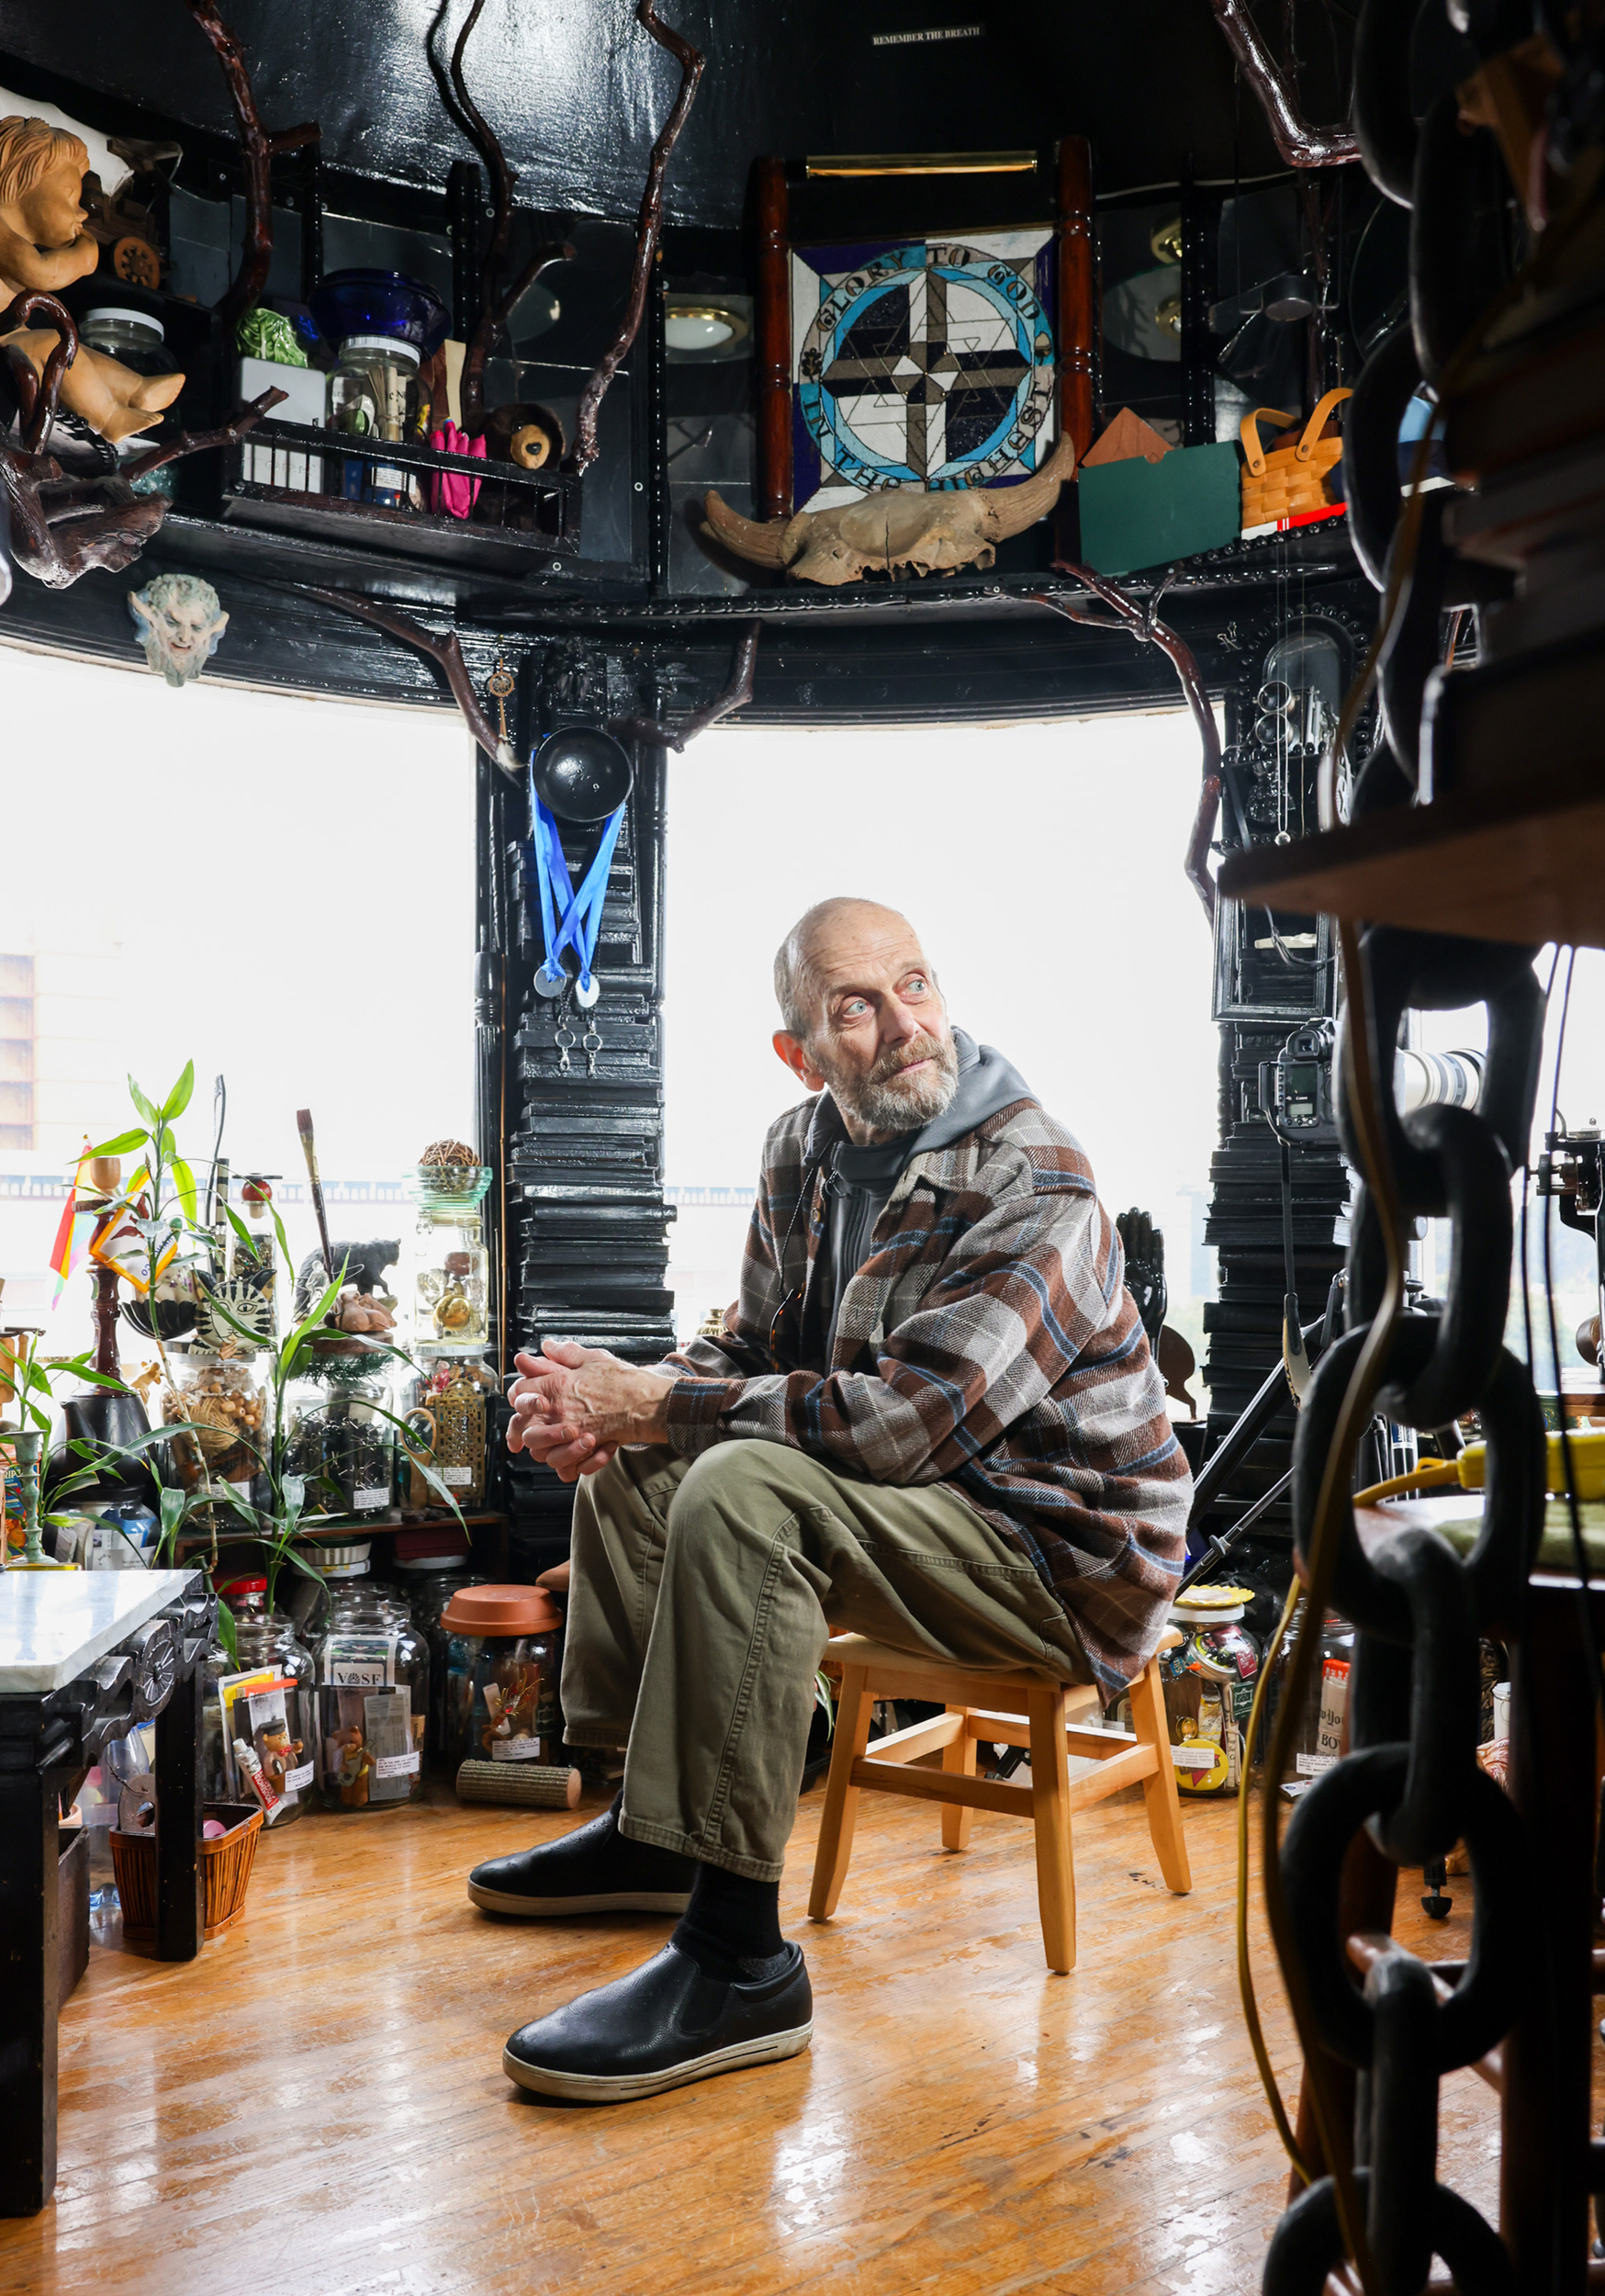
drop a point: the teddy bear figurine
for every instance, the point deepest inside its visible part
(44, 247)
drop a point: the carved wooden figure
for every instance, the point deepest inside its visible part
(44, 247)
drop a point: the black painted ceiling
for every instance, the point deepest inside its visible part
(578, 90)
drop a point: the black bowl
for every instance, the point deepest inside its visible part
(581, 774)
(175, 1317)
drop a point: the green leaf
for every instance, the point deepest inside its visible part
(145, 1107)
(284, 1242)
(240, 1230)
(123, 1145)
(225, 1633)
(178, 1099)
(184, 1181)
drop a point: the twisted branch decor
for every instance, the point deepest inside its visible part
(495, 309)
(732, 697)
(258, 149)
(1140, 620)
(60, 527)
(648, 231)
(1298, 144)
(446, 653)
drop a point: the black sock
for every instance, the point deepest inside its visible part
(732, 1927)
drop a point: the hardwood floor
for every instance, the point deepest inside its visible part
(317, 2107)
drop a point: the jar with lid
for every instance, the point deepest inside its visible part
(447, 1413)
(448, 1293)
(373, 1700)
(263, 1715)
(502, 1667)
(1209, 1687)
(372, 393)
(431, 1580)
(340, 1451)
(1318, 1738)
(223, 1399)
(138, 340)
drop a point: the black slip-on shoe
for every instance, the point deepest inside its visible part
(667, 2023)
(595, 1869)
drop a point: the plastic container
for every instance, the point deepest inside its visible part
(503, 1662)
(373, 1701)
(225, 1397)
(262, 1725)
(340, 1450)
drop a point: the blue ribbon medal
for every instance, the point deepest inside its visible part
(569, 918)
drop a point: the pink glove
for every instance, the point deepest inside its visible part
(451, 491)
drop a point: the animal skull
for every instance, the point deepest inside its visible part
(896, 529)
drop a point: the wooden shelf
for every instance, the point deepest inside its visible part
(1524, 862)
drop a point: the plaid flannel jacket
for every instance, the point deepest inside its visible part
(988, 1341)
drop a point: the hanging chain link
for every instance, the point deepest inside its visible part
(1412, 1778)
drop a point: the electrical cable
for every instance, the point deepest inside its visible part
(1245, 1975)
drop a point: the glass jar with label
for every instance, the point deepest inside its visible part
(432, 1577)
(447, 1411)
(373, 1701)
(446, 1281)
(1209, 1687)
(1318, 1740)
(502, 1667)
(264, 1722)
(340, 1453)
(373, 394)
(222, 1403)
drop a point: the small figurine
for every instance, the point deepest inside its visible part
(179, 618)
(348, 1762)
(44, 246)
(531, 437)
(280, 1753)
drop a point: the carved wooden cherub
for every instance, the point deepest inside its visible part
(43, 245)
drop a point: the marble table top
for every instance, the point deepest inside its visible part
(55, 1623)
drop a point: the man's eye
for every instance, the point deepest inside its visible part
(919, 985)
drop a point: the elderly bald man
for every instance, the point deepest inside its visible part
(932, 1418)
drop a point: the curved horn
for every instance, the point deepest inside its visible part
(1010, 509)
(763, 544)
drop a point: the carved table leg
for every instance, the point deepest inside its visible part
(29, 1964)
(179, 1916)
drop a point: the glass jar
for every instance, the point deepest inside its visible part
(139, 340)
(1209, 1687)
(340, 1454)
(1317, 1740)
(430, 1588)
(225, 1399)
(448, 1295)
(447, 1413)
(262, 1711)
(372, 393)
(373, 1701)
(503, 1662)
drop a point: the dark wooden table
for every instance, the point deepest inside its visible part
(1546, 2129)
(85, 1656)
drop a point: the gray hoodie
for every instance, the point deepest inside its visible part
(857, 1181)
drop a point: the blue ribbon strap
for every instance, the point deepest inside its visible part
(570, 918)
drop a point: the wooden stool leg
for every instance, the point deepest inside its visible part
(1050, 1811)
(853, 1710)
(961, 1757)
(1159, 1791)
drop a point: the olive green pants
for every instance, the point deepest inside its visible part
(702, 1595)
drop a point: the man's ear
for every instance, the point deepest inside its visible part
(791, 1050)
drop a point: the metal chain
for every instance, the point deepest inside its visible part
(1411, 1776)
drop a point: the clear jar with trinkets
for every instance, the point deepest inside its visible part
(1209, 1687)
(445, 1283)
(340, 1451)
(446, 1410)
(221, 1403)
(260, 1728)
(503, 1663)
(373, 1700)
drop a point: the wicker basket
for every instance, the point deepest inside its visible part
(226, 1866)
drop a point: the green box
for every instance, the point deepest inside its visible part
(1139, 513)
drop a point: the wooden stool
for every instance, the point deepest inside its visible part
(1033, 1714)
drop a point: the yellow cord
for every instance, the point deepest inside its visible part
(1245, 1975)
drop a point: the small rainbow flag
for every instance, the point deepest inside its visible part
(67, 1251)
